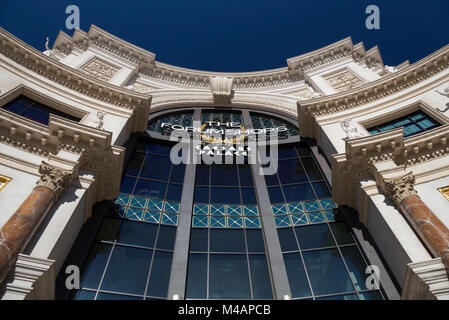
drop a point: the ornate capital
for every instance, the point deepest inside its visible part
(399, 188)
(57, 180)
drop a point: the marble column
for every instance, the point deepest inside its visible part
(428, 226)
(17, 231)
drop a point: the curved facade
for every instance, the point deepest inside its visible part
(99, 176)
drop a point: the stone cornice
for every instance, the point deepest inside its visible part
(369, 92)
(362, 153)
(49, 68)
(94, 146)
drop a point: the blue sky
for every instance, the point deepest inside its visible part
(240, 35)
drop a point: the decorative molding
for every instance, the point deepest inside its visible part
(351, 131)
(445, 192)
(100, 69)
(343, 80)
(32, 279)
(221, 88)
(4, 181)
(55, 179)
(427, 280)
(399, 188)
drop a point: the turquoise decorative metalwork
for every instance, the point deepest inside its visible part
(170, 219)
(282, 221)
(252, 222)
(234, 211)
(218, 222)
(295, 207)
(171, 207)
(330, 216)
(134, 214)
(200, 221)
(328, 204)
(299, 219)
(138, 202)
(152, 216)
(312, 206)
(250, 211)
(235, 222)
(316, 217)
(122, 200)
(201, 209)
(155, 204)
(218, 210)
(279, 209)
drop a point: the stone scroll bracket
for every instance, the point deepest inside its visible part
(221, 88)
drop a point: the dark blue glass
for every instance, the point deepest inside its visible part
(311, 168)
(296, 275)
(127, 270)
(197, 277)
(160, 274)
(201, 195)
(327, 272)
(245, 175)
(150, 188)
(228, 277)
(199, 239)
(177, 173)
(36, 115)
(94, 265)
(224, 175)
(109, 229)
(314, 236)
(303, 150)
(342, 233)
(275, 195)
(159, 148)
(156, 167)
(287, 239)
(352, 296)
(134, 164)
(112, 296)
(260, 277)
(227, 195)
(254, 240)
(287, 152)
(174, 192)
(298, 192)
(291, 171)
(248, 196)
(166, 237)
(356, 266)
(127, 185)
(202, 175)
(84, 295)
(15, 106)
(227, 240)
(321, 190)
(272, 180)
(138, 233)
(371, 295)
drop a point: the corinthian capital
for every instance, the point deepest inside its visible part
(57, 180)
(399, 188)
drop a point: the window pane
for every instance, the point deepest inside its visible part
(84, 295)
(227, 240)
(228, 277)
(199, 239)
(201, 195)
(275, 195)
(327, 272)
(356, 266)
(341, 233)
(287, 239)
(321, 190)
(94, 265)
(312, 169)
(224, 175)
(298, 192)
(174, 192)
(166, 237)
(248, 196)
(177, 173)
(254, 240)
(245, 175)
(197, 277)
(127, 185)
(109, 229)
(352, 296)
(202, 175)
(260, 277)
(225, 195)
(111, 296)
(134, 164)
(156, 167)
(138, 233)
(296, 275)
(291, 171)
(127, 270)
(314, 236)
(150, 188)
(160, 274)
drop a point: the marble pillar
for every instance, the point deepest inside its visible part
(428, 226)
(16, 232)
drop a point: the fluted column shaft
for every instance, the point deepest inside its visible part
(16, 232)
(428, 226)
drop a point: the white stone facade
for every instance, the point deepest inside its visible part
(95, 72)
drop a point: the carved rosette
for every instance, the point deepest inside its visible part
(399, 188)
(55, 179)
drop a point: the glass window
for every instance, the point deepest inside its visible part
(414, 123)
(35, 111)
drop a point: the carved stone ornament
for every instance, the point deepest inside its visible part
(221, 89)
(351, 131)
(399, 188)
(100, 69)
(343, 80)
(57, 180)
